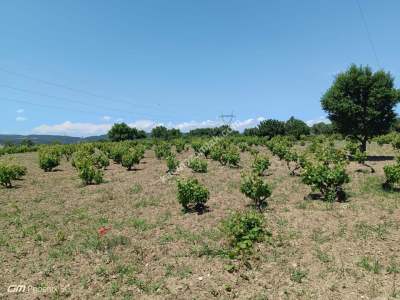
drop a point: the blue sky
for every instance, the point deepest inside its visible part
(180, 63)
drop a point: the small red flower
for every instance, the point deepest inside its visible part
(102, 230)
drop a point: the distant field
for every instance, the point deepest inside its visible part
(49, 235)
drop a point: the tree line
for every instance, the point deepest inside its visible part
(360, 105)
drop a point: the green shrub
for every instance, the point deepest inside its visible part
(230, 157)
(243, 146)
(294, 161)
(392, 174)
(117, 151)
(192, 194)
(172, 164)
(180, 146)
(356, 154)
(328, 179)
(10, 172)
(89, 173)
(162, 150)
(100, 159)
(253, 187)
(196, 146)
(49, 158)
(197, 165)
(260, 165)
(243, 229)
(130, 158)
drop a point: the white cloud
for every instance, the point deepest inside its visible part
(20, 119)
(318, 120)
(106, 118)
(20, 111)
(87, 129)
(73, 129)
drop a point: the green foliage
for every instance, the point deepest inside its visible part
(260, 164)
(294, 161)
(243, 229)
(180, 145)
(116, 152)
(296, 128)
(161, 132)
(230, 156)
(361, 103)
(49, 158)
(88, 172)
(192, 194)
(131, 157)
(255, 188)
(357, 155)
(172, 163)
(100, 159)
(392, 173)
(243, 146)
(322, 128)
(270, 128)
(10, 172)
(121, 132)
(327, 178)
(162, 150)
(197, 165)
(196, 146)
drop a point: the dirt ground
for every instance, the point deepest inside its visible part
(49, 237)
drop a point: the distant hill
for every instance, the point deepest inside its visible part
(48, 139)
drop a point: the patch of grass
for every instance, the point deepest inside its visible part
(140, 224)
(370, 265)
(146, 202)
(323, 256)
(319, 236)
(136, 188)
(297, 275)
(363, 230)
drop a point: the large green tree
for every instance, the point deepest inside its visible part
(296, 128)
(361, 104)
(122, 132)
(271, 128)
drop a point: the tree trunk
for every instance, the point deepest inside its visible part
(363, 146)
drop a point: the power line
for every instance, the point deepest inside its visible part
(45, 105)
(368, 33)
(75, 90)
(124, 112)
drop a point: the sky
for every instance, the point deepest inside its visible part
(76, 67)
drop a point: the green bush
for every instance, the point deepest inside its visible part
(356, 154)
(10, 172)
(192, 194)
(260, 165)
(180, 146)
(196, 146)
(117, 151)
(162, 150)
(49, 158)
(130, 158)
(392, 173)
(89, 173)
(172, 164)
(197, 165)
(230, 157)
(253, 187)
(294, 161)
(328, 179)
(100, 159)
(243, 146)
(243, 229)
